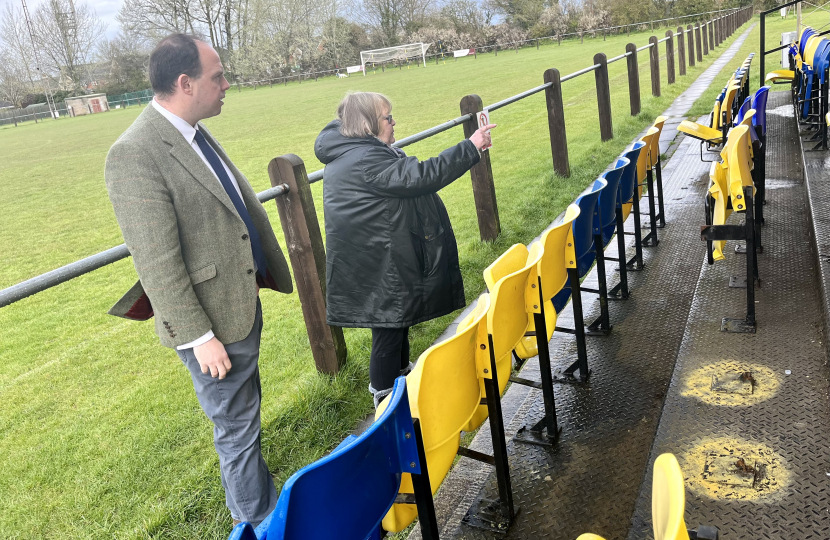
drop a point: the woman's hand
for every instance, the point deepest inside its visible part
(481, 138)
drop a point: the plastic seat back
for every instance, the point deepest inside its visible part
(728, 103)
(745, 106)
(553, 273)
(655, 141)
(644, 160)
(739, 168)
(715, 123)
(583, 233)
(605, 219)
(628, 180)
(759, 103)
(444, 393)
(806, 33)
(367, 469)
(747, 121)
(590, 536)
(668, 500)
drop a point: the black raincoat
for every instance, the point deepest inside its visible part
(391, 255)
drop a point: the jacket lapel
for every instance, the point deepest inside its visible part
(189, 159)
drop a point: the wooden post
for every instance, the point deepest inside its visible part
(556, 123)
(654, 54)
(606, 129)
(718, 31)
(681, 51)
(709, 26)
(698, 48)
(670, 56)
(691, 35)
(308, 260)
(705, 36)
(484, 191)
(633, 79)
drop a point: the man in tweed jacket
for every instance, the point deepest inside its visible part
(203, 247)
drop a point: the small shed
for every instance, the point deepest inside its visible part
(88, 104)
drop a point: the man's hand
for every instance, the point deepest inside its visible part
(481, 138)
(213, 358)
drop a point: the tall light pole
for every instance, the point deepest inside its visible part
(53, 110)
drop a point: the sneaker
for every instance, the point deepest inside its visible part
(407, 370)
(379, 395)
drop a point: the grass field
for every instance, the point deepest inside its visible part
(100, 432)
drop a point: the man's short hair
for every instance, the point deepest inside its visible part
(175, 55)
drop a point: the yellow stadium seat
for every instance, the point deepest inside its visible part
(589, 536)
(739, 166)
(656, 164)
(645, 162)
(512, 296)
(780, 76)
(444, 393)
(668, 500)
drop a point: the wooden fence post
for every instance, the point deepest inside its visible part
(633, 79)
(681, 51)
(691, 35)
(721, 35)
(698, 48)
(705, 36)
(606, 129)
(711, 35)
(654, 54)
(556, 123)
(484, 191)
(670, 56)
(308, 260)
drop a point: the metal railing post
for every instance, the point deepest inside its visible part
(484, 191)
(606, 129)
(681, 51)
(705, 36)
(556, 123)
(698, 44)
(670, 57)
(654, 55)
(308, 260)
(633, 79)
(691, 35)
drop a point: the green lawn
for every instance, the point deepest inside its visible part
(100, 433)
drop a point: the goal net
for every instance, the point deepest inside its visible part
(397, 53)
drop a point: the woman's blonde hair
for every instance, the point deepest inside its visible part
(360, 113)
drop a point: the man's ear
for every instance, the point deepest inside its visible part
(183, 82)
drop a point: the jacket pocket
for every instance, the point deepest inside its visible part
(203, 274)
(429, 241)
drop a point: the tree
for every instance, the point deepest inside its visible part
(154, 19)
(126, 58)
(14, 78)
(67, 35)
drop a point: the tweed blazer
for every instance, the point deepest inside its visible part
(189, 245)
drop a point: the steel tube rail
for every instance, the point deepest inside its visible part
(644, 47)
(94, 262)
(517, 97)
(406, 141)
(620, 57)
(576, 74)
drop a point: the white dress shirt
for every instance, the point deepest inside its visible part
(189, 134)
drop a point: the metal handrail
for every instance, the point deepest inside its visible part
(88, 264)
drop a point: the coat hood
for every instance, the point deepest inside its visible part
(331, 144)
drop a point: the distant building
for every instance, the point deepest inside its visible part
(89, 104)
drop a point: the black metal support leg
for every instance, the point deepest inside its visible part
(567, 375)
(488, 514)
(621, 288)
(546, 431)
(636, 262)
(662, 211)
(747, 325)
(650, 239)
(601, 326)
(423, 490)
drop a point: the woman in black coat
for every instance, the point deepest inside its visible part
(391, 256)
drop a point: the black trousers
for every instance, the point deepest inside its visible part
(390, 355)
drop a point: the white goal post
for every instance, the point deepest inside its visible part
(399, 52)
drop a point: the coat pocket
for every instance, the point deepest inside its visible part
(430, 244)
(203, 274)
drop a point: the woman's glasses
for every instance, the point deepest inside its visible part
(388, 118)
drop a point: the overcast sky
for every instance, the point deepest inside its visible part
(105, 9)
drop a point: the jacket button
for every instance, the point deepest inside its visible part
(244, 236)
(250, 271)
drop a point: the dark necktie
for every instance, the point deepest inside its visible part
(216, 164)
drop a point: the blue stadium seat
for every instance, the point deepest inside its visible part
(346, 494)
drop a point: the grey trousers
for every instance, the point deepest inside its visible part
(232, 404)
